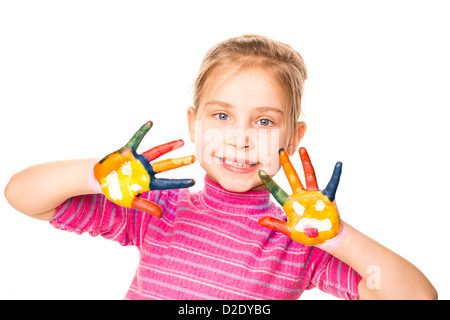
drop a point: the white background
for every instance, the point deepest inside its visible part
(77, 78)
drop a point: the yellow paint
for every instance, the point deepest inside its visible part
(122, 180)
(311, 201)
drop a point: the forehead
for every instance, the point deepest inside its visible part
(243, 87)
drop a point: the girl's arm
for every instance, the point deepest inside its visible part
(124, 175)
(385, 274)
(313, 219)
(38, 190)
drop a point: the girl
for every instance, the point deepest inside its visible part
(209, 245)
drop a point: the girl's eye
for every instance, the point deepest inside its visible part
(265, 122)
(221, 116)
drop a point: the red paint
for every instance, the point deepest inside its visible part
(308, 169)
(158, 151)
(310, 232)
(276, 224)
(147, 206)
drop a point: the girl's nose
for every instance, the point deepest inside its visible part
(240, 139)
(240, 142)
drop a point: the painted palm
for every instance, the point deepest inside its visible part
(124, 175)
(312, 216)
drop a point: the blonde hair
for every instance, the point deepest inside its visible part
(285, 64)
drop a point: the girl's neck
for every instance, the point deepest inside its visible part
(215, 197)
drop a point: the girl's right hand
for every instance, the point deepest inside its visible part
(124, 175)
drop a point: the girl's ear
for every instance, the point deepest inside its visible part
(296, 137)
(191, 123)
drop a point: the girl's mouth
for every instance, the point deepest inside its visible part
(240, 166)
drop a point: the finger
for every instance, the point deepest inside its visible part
(135, 141)
(330, 190)
(278, 193)
(308, 169)
(289, 171)
(275, 224)
(170, 164)
(164, 184)
(147, 206)
(158, 151)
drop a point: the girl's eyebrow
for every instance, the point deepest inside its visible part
(267, 109)
(220, 103)
(229, 106)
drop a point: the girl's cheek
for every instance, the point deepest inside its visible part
(208, 142)
(268, 145)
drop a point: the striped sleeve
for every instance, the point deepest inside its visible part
(333, 276)
(98, 216)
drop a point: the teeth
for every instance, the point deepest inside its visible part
(238, 164)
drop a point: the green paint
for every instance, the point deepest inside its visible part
(278, 193)
(135, 141)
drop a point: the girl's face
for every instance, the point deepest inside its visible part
(239, 128)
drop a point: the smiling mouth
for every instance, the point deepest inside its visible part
(238, 164)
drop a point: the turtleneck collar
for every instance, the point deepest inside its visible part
(250, 202)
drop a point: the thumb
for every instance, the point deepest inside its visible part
(275, 224)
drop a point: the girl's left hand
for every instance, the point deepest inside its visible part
(312, 216)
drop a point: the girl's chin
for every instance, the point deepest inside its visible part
(238, 184)
(236, 180)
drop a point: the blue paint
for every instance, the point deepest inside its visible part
(330, 190)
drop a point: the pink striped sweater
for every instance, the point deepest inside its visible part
(208, 245)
